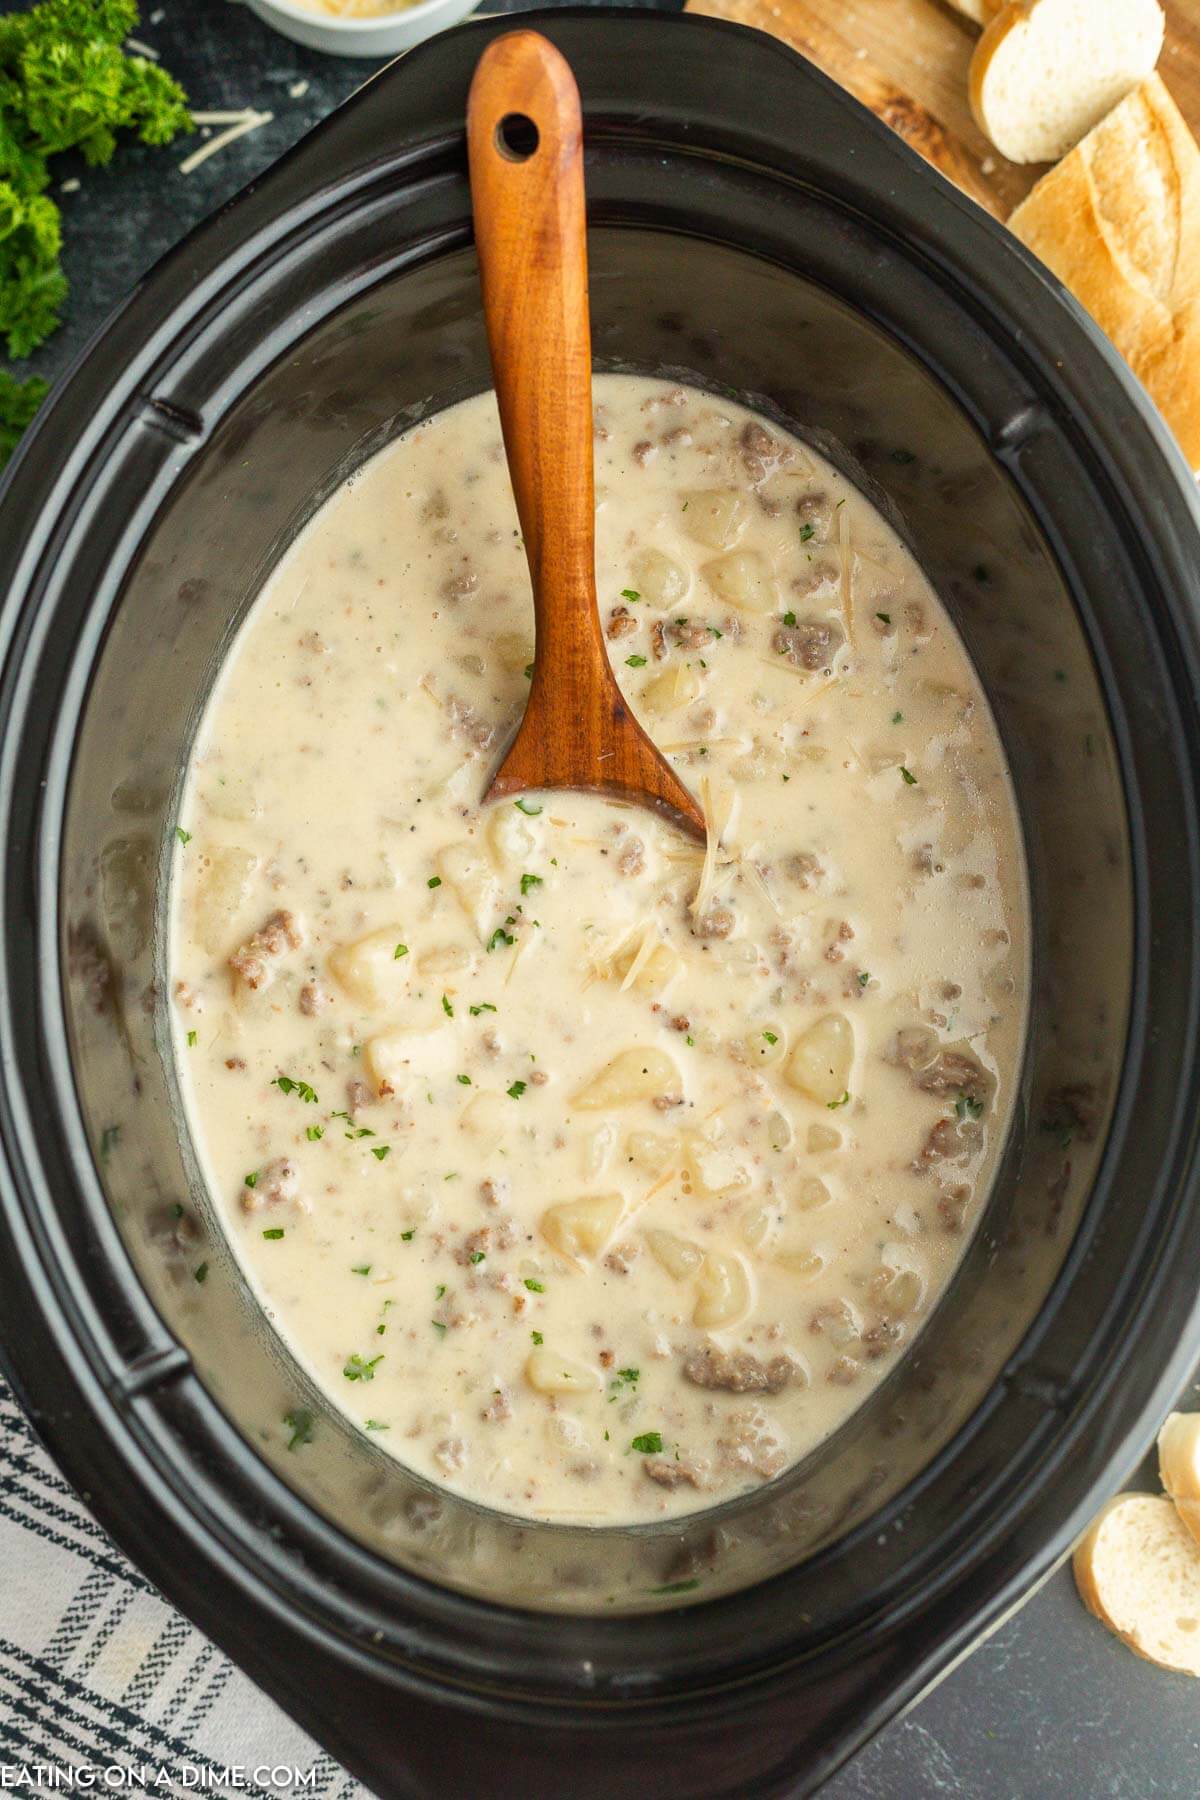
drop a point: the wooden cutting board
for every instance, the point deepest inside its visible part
(907, 60)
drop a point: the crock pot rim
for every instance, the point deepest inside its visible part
(35, 468)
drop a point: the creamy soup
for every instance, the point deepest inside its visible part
(598, 1174)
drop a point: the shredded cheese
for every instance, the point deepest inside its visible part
(246, 122)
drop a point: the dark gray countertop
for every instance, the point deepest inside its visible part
(1050, 1705)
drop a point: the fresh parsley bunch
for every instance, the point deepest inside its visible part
(65, 84)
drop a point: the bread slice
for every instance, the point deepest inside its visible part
(1045, 71)
(1118, 221)
(1138, 1570)
(1179, 1466)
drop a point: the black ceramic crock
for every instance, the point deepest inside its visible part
(754, 231)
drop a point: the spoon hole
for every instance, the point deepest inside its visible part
(516, 137)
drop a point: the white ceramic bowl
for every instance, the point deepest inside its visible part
(376, 34)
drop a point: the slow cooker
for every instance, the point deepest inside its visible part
(755, 232)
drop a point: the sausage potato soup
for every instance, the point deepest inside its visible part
(596, 1174)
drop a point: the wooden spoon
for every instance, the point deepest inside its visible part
(525, 143)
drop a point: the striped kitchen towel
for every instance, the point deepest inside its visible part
(99, 1673)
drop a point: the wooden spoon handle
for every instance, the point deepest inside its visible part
(525, 147)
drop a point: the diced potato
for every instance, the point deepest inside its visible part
(821, 1060)
(801, 1262)
(232, 797)
(760, 1226)
(595, 1147)
(370, 970)
(659, 580)
(630, 1076)
(514, 651)
(676, 1255)
(512, 840)
(811, 1193)
(444, 959)
(465, 870)
(221, 892)
(711, 1167)
(742, 579)
(679, 684)
(578, 1228)
(395, 1060)
(653, 1151)
(488, 1120)
(765, 1044)
(779, 1130)
(657, 969)
(821, 1138)
(723, 1291)
(903, 1293)
(550, 1373)
(714, 516)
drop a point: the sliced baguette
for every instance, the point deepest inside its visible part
(1118, 221)
(1045, 71)
(1179, 1466)
(1138, 1570)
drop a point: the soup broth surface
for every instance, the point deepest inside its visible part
(599, 1175)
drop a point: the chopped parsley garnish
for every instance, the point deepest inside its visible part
(193, 1039)
(446, 1006)
(483, 1006)
(635, 662)
(477, 1256)
(438, 1326)
(844, 1101)
(377, 1425)
(807, 532)
(910, 779)
(499, 936)
(250, 1180)
(314, 1133)
(863, 977)
(689, 1040)
(201, 1274)
(516, 1090)
(886, 617)
(897, 717)
(439, 1290)
(630, 594)
(358, 1131)
(529, 671)
(287, 1085)
(648, 1444)
(789, 618)
(273, 1231)
(537, 1337)
(359, 1369)
(530, 881)
(772, 1037)
(626, 1378)
(967, 1108)
(434, 881)
(535, 1287)
(399, 951)
(463, 1080)
(360, 1269)
(408, 1236)
(185, 837)
(677, 1587)
(300, 1423)
(379, 1151)
(531, 812)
